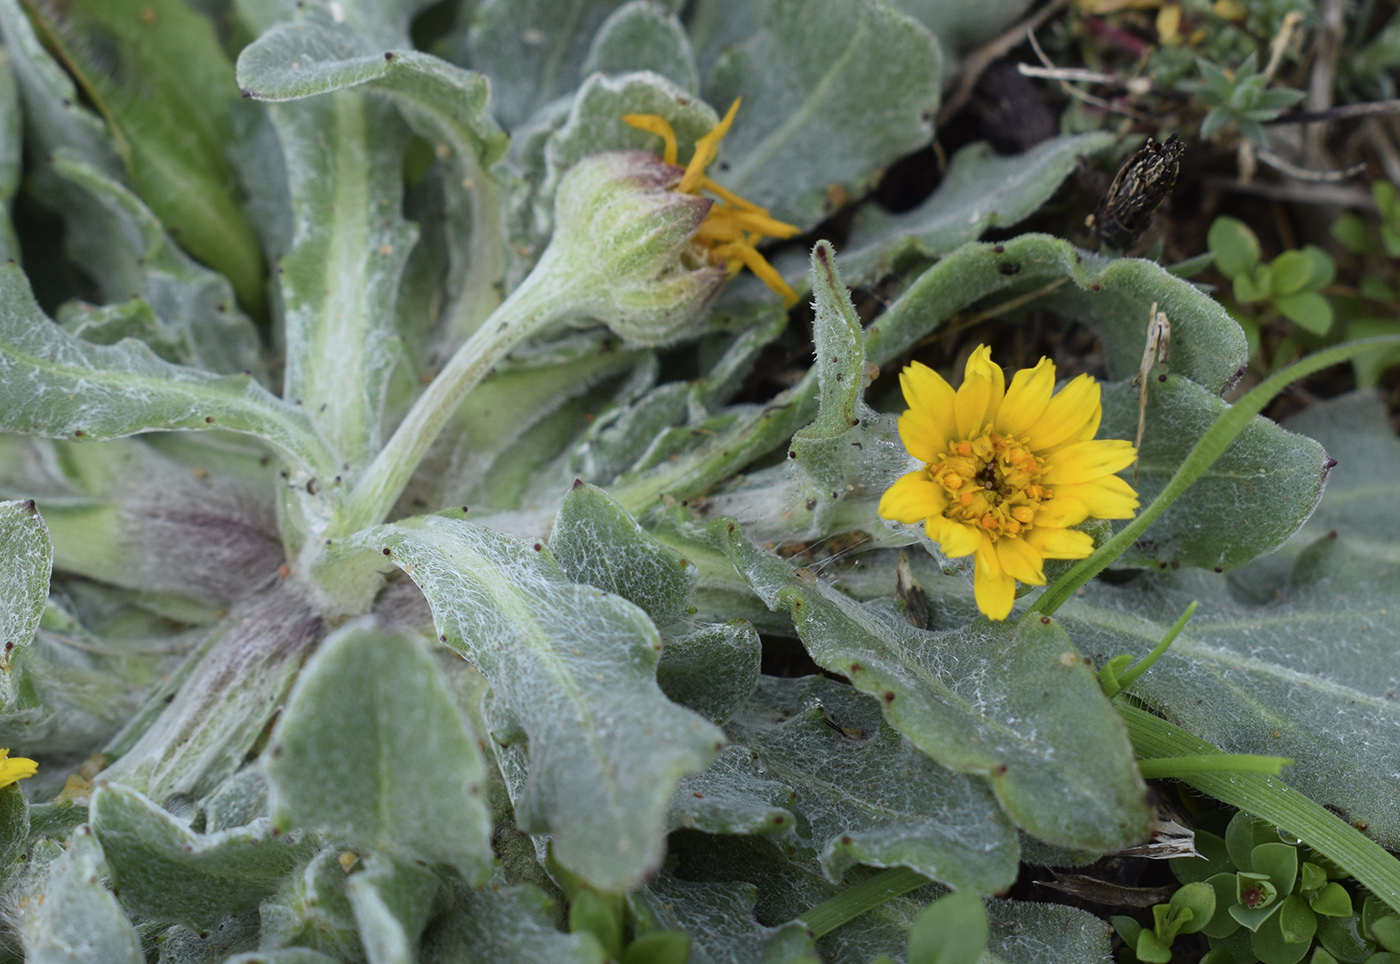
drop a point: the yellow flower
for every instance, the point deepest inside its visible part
(1007, 471)
(734, 227)
(12, 771)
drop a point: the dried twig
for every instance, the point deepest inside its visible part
(1338, 113)
(1339, 195)
(1285, 166)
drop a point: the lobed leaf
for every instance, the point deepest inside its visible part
(166, 872)
(866, 795)
(1015, 703)
(574, 670)
(57, 386)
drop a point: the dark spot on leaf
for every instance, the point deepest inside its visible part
(388, 55)
(78, 433)
(792, 454)
(1045, 620)
(1001, 769)
(208, 420)
(578, 483)
(778, 820)
(855, 667)
(1009, 268)
(1161, 378)
(999, 249)
(169, 697)
(846, 841)
(889, 696)
(388, 551)
(1095, 286)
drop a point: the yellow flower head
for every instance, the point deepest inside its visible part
(733, 229)
(12, 771)
(1007, 471)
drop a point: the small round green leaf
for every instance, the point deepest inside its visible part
(1296, 920)
(1290, 272)
(1234, 246)
(1200, 900)
(1308, 310)
(1151, 950)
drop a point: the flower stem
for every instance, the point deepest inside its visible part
(1132, 673)
(1210, 447)
(539, 301)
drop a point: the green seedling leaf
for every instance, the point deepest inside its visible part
(58, 386)
(591, 913)
(572, 668)
(1221, 923)
(71, 916)
(168, 89)
(1126, 928)
(507, 925)
(1332, 901)
(1311, 877)
(1193, 906)
(1151, 949)
(866, 795)
(1387, 932)
(392, 901)
(1279, 862)
(596, 542)
(1074, 785)
(1272, 946)
(1351, 232)
(1234, 246)
(1308, 309)
(981, 190)
(659, 947)
(642, 35)
(1296, 921)
(1342, 938)
(166, 872)
(1253, 286)
(1243, 834)
(372, 748)
(1324, 269)
(805, 124)
(953, 930)
(1291, 272)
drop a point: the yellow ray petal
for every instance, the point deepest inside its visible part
(922, 435)
(655, 124)
(1061, 543)
(1061, 512)
(927, 393)
(1020, 560)
(1026, 399)
(1106, 498)
(1080, 462)
(994, 589)
(706, 150)
(955, 539)
(913, 498)
(980, 394)
(1072, 416)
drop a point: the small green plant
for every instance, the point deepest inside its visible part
(1351, 230)
(1289, 285)
(1243, 96)
(951, 930)
(1257, 895)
